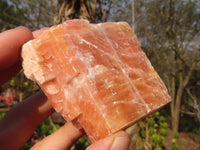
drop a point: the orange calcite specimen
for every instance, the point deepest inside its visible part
(95, 75)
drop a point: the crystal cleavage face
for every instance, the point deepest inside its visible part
(95, 75)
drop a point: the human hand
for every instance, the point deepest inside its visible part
(11, 42)
(22, 120)
(10, 48)
(66, 136)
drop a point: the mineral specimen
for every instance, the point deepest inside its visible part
(95, 75)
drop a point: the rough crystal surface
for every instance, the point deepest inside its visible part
(95, 75)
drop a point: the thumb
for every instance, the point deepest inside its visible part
(62, 139)
(118, 141)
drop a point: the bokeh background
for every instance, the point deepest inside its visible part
(169, 34)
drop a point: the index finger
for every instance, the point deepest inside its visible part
(39, 32)
(117, 141)
(11, 42)
(63, 138)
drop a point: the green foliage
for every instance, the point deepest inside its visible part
(174, 141)
(157, 140)
(197, 130)
(163, 131)
(143, 134)
(44, 129)
(10, 16)
(38, 13)
(187, 124)
(22, 86)
(176, 135)
(2, 115)
(175, 146)
(81, 144)
(33, 14)
(26, 146)
(153, 130)
(47, 127)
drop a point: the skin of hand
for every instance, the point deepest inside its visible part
(22, 119)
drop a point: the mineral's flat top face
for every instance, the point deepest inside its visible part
(95, 75)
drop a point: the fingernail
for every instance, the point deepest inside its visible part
(118, 141)
(109, 141)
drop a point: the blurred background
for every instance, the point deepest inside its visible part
(169, 34)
